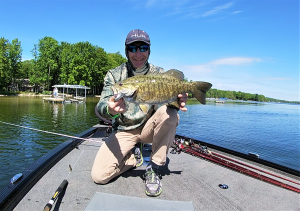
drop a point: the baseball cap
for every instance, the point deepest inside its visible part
(137, 35)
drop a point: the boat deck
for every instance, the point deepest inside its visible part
(185, 178)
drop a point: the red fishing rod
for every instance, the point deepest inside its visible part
(188, 146)
(244, 164)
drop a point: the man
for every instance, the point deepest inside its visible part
(131, 125)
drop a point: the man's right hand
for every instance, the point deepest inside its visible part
(117, 107)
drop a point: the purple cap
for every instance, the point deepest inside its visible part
(137, 35)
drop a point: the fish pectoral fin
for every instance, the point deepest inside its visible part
(174, 104)
(144, 107)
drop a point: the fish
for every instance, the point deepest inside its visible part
(159, 88)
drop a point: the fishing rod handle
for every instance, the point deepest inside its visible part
(55, 196)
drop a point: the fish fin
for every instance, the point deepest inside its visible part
(174, 104)
(175, 74)
(170, 73)
(144, 107)
(200, 89)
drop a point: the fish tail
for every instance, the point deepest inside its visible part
(199, 90)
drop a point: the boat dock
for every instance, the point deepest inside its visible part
(52, 99)
(62, 100)
(189, 183)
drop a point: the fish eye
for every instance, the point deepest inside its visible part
(120, 84)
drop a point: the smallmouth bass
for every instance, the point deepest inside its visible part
(158, 88)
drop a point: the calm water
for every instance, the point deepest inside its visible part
(270, 130)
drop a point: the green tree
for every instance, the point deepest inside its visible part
(83, 64)
(15, 59)
(115, 59)
(48, 63)
(66, 57)
(102, 66)
(4, 63)
(35, 74)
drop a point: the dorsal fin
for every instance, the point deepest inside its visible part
(170, 73)
(175, 73)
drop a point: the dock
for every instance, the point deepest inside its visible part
(62, 100)
(52, 99)
(189, 183)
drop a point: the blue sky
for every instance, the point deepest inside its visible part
(242, 45)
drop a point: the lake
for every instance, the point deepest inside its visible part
(268, 129)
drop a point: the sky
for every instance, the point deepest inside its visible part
(250, 46)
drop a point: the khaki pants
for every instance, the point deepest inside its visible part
(115, 157)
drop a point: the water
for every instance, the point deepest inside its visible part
(270, 130)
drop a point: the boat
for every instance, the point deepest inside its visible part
(191, 179)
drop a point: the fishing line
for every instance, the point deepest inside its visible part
(65, 182)
(44, 131)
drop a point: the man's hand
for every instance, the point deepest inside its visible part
(117, 107)
(182, 99)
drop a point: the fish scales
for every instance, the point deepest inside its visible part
(157, 90)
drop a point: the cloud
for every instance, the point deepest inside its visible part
(217, 9)
(208, 67)
(236, 12)
(280, 79)
(234, 61)
(150, 3)
(184, 9)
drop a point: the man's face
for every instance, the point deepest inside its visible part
(138, 58)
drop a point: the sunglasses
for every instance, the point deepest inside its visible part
(133, 48)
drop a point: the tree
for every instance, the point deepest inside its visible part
(35, 73)
(48, 64)
(66, 57)
(102, 66)
(4, 63)
(15, 59)
(115, 59)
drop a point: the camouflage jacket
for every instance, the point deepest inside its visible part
(133, 117)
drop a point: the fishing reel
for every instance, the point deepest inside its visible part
(179, 144)
(108, 131)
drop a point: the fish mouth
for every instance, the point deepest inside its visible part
(118, 95)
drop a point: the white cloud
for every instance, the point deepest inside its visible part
(208, 67)
(217, 9)
(236, 12)
(185, 9)
(234, 61)
(280, 79)
(150, 3)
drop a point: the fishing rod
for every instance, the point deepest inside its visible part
(53, 133)
(188, 146)
(252, 167)
(55, 196)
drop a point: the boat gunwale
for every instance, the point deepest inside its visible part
(12, 194)
(247, 157)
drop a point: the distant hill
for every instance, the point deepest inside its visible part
(237, 95)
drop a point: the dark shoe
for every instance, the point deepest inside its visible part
(153, 184)
(138, 154)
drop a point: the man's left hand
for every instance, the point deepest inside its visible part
(182, 99)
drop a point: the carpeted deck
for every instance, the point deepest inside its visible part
(188, 183)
